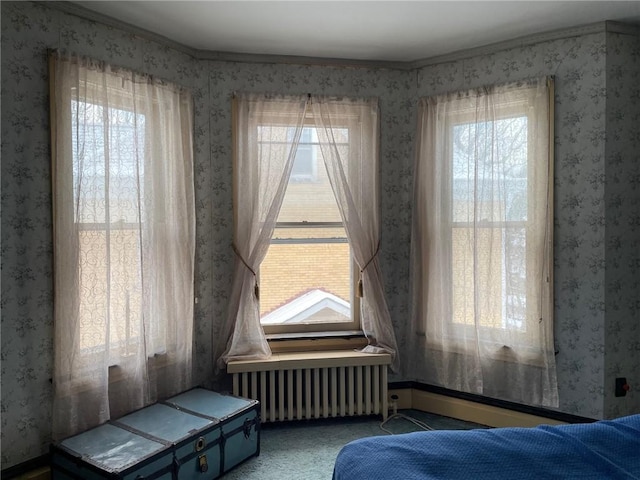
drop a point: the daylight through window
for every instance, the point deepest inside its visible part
(306, 278)
(489, 222)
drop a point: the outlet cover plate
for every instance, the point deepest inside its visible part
(620, 383)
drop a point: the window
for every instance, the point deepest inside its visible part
(481, 245)
(109, 172)
(490, 224)
(294, 269)
(124, 240)
(489, 221)
(305, 166)
(483, 180)
(306, 278)
(121, 222)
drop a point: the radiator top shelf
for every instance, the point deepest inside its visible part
(316, 359)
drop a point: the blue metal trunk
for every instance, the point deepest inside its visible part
(199, 434)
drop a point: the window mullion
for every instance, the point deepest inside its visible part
(306, 224)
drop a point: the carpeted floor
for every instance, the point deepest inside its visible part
(306, 450)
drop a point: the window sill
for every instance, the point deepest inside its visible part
(317, 359)
(493, 351)
(316, 341)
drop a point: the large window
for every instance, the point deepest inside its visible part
(482, 241)
(124, 240)
(306, 223)
(307, 276)
(489, 198)
(109, 172)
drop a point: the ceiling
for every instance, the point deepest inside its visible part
(399, 31)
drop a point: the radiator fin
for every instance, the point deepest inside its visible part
(324, 392)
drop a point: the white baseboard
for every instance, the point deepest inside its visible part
(467, 410)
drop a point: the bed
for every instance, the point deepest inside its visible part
(607, 449)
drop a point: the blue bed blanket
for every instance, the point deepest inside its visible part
(607, 449)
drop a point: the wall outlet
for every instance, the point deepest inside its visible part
(403, 400)
(622, 387)
(393, 403)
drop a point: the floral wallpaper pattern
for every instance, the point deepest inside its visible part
(622, 222)
(578, 65)
(582, 248)
(597, 281)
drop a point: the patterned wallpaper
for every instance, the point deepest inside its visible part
(622, 217)
(596, 244)
(578, 65)
(29, 29)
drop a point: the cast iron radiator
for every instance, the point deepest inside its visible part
(296, 386)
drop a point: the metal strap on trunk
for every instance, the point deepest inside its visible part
(245, 428)
(250, 404)
(171, 468)
(191, 412)
(80, 462)
(141, 433)
(195, 453)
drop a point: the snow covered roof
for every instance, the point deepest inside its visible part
(301, 308)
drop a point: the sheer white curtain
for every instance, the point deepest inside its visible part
(264, 154)
(352, 167)
(124, 241)
(481, 249)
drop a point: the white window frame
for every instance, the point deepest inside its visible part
(163, 344)
(352, 326)
(527, 336)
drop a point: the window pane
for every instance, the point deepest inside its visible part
(108, 170)
(480, 301)
(310, 201)
(306, 283)
(490, 187)
(120, 166)
(306, 275)
(110, 288)
(307, 156)
(489, 287)
(490, 171)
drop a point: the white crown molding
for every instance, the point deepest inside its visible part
(298, 60)
(524, 41)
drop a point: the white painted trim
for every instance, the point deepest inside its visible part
(320, 359)
(299, 60)
(467, 410)
(527, 40)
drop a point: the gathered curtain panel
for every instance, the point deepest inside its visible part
(355, 182)
(124, 241)
(260, 180)
(481, 247)
(264, 154)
